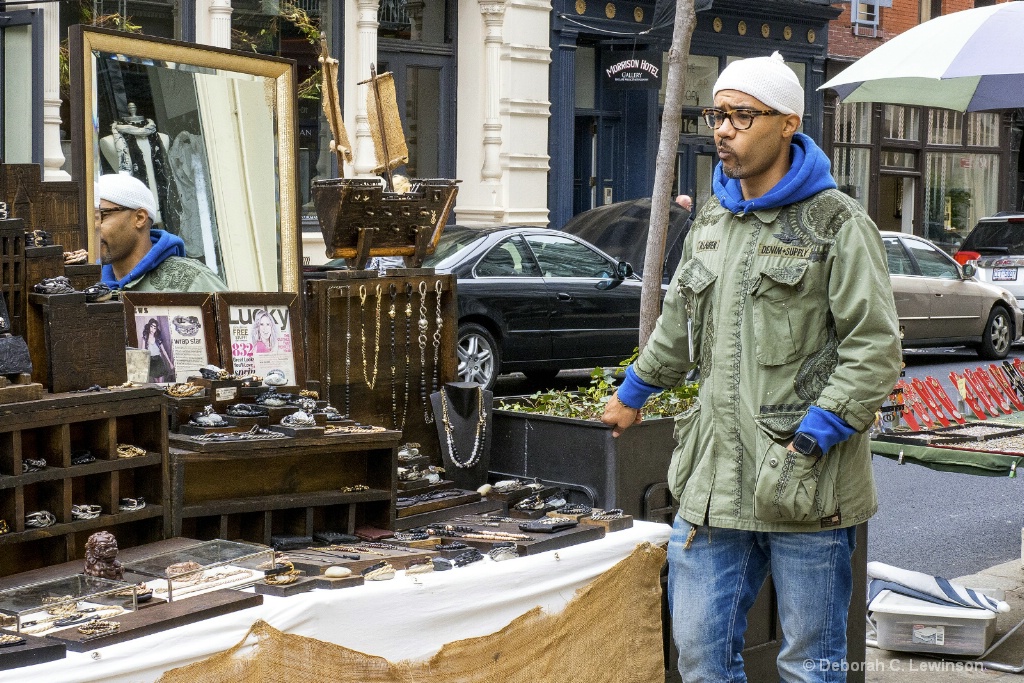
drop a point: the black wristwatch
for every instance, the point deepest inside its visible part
(806, 444)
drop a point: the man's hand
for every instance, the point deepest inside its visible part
(619, 415)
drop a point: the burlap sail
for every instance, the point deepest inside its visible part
(610, 632)
(332, 106)
(397, 153)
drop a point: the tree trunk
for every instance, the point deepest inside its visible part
(671, 123)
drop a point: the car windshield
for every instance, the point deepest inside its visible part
(1002, 236)
(453, 240)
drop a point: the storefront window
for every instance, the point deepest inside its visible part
(901, 123)
(899, 159)
(851, 167)
(585, 81)
(701, 74)
(853, 123)
(960, 188)
(983, 130)
(945, 127)
(412, 20)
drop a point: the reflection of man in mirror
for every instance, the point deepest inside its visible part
(134, 255)
(263, 334)
(134, 146)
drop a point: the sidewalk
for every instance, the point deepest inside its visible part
(883, 666)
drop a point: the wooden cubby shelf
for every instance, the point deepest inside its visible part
(58, 426)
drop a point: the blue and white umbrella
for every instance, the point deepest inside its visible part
(927, 587)
(968, 61)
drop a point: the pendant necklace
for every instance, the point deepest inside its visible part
(370, 381)
(348, 352)
(400, 422)
(422, 326)
(438, 322)
(393, 291)
(478, 436)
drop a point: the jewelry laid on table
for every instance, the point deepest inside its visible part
(37, 238)
(32, 465)
(186, 325)
(4, 528)
(82, 457)
(332, 414)
(478, 435)
(60, 605)
(85, 511)
(131, 504)
(502, 551)
(272, 399)
(353, 429)
(183, 390)
(212, 372)
(357, 488)
(371, 381)
(40, 519)
(438, 323)
(76, 257)
(246, 410)
(408, 451)
(381, 571)
(99, 628)
(257, 433)
(11, 640)
(507, 486)
(575, 509)
(212, 580)
(298, 419)
(406, 501)
(54, 285)
(97, 293)
(275, 378)
(39, 626)
(411, 535)
(282, 578)
(189, 569)
(459, 531)
(309, 393)
(304, 402)
(605, 515)
(424, 566)
(126, 450)
(454, 545)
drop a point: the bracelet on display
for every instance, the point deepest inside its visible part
(605, 515)
(40, 519)
(425, 497)
(298, 419)
(11, 640)
(411, 536)
(126, 450)
(246, 410)
(37, 238)
(4, 528)
(85, 511)
(186, 325)
(382, 571)
(183, 390)
(97, 293)
(355, 488)
(454, 545)
(409, 451)
(82, 457)
(131, 504)
(54, 285)
(32, 465)
(275, 378)
(207, 418)
(424, 566)
(287, 575)
(272, 399)
(99, 627)
(332, 413)
(76, 257)
(257, 433)
(501, 552)
(353, 429)
(575, 509)
(212, 372)
(309, 393)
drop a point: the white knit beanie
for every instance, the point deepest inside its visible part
(125, 190)
(766, 78)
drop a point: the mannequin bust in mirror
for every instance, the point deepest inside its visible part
(462, 412)
(135, 146)
(134, 255)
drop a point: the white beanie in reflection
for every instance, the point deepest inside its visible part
(125, 190)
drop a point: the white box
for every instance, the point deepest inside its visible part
(911, 625)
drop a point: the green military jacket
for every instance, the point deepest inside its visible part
(780, 309)
(178, 274)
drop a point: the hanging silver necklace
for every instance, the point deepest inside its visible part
(478, 436)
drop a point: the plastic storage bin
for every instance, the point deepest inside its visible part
(911, 625)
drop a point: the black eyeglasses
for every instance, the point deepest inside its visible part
(101, 214)
(741, 119)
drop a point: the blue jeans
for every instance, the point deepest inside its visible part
(713, 583)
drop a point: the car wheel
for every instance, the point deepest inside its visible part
(998, 335)
(479, 356)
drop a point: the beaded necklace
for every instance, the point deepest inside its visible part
(371, 381)
(478, 436)
(422, 326)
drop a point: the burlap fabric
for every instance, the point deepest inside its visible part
(610, 631)
(397, 153)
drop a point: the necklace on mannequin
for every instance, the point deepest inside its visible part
(478, 436)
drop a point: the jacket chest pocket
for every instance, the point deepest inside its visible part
(789, 317)
(695, 286)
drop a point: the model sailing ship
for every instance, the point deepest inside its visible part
(361, 217)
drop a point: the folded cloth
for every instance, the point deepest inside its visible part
(927, 587)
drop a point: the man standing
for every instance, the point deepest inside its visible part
(783, 302)
(134, 255)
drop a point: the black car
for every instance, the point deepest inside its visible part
(536, 301)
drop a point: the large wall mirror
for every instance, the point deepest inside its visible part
(211, 131)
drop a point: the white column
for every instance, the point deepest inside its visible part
(220, 23)
(53, 157)
(493, 12)
(365, 157)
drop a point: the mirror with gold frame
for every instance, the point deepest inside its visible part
(211, 131)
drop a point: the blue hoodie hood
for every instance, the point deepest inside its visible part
(164, 244)
(810, 172)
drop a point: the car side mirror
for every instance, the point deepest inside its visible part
(623, 269)
(969, 270)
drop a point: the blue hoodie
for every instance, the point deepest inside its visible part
(164, 244)
(810, 172)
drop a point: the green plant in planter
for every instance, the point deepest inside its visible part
(587, 403)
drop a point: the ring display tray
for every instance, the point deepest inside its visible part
(315, 561)
(161, 618)
(49, 606)
(33, 651)
(415, 519)
(610, 525)
(198, 569)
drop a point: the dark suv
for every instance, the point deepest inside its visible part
(997, 246)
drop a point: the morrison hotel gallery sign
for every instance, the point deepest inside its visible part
(639, 70)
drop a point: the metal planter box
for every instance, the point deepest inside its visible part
(585, 459)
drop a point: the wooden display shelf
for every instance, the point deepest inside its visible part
(103, 521)
(283, 501)
(35, 651)
(56, 473)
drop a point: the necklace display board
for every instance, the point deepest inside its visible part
(462, 415)
(66, 451)
(379, 346)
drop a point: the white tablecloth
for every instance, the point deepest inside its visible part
(405, 618)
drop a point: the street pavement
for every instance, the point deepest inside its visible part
(884, 666)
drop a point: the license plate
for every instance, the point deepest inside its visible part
(1004, 274)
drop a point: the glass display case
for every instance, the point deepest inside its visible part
(203, 567)
(49, 606)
